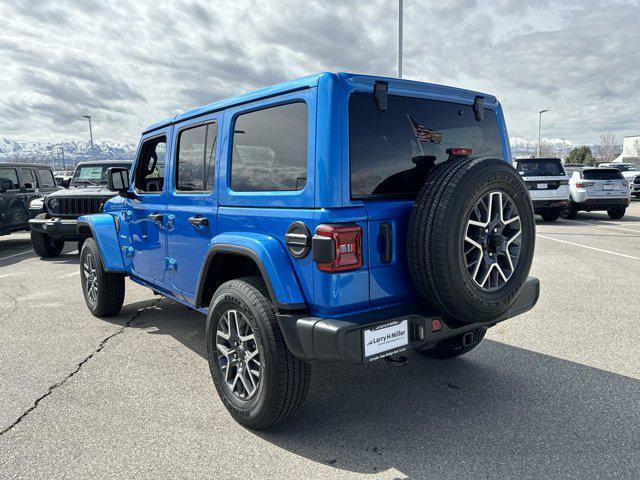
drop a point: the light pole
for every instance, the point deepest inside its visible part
(400, 38)
(88, 117)
(539, 129)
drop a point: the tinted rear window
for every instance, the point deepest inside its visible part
(602, 174)
(539, 168)
(386, 156)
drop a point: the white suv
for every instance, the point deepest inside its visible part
(548, 185)
(598, 189)
(630, 171)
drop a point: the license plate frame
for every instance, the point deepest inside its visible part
(385, 339)
(607, 187)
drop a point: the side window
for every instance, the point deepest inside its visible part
(46, 178)
(29, 179)
(149, 174)
(9, 179)
(270, 149)
(196, 158)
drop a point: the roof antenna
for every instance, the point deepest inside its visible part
(380, 95)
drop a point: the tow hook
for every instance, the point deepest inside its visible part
(396, 361)
(467, 339)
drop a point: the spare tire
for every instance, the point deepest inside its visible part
(471, 239)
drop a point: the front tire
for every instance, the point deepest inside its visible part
(616, 213)
(103, 291)
(258, 379)
(550, 216)
(43, 244)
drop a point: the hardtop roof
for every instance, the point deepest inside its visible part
(24, 164)
(309, 82)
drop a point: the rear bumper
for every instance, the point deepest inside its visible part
(312, 338)
(56, 227)
(539, 205)
(602, 203)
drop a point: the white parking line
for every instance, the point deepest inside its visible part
(15, 255)
(594, 224)
(588, 247)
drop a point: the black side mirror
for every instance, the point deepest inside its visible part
(118, 179)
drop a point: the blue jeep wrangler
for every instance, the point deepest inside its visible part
(337, 217)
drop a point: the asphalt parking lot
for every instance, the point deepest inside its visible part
(553, 393)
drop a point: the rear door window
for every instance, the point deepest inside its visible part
(270, 149)
(29, 179)
(392, 152)
(602, 174)
(196, 158)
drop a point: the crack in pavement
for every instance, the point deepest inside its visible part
(53, 387)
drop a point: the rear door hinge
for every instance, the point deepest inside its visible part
(171, 263)
(128, 251)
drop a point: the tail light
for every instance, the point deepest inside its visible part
(337, 248)
(585, 184)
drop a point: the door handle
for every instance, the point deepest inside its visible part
(198, 221)
(386, 232)
(156, 217)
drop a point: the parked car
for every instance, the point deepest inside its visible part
(20, 184)
(548, 185)
(63, 179)
(631, 172)
(336, 217)
(57, 222)
(594, 189)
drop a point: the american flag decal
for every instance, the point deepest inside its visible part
(423, 134)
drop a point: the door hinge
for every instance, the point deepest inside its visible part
(128, 251)
(171, 263)
(127, 215)
(168, 221)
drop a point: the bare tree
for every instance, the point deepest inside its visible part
(607, 147)
(635, 149)
(546, 149)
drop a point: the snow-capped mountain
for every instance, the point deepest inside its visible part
(521, 147)
(74, 152)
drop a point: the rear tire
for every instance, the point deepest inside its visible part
(570, 213)
(452, 347)
(550, 216)
(103, 291)
(616, 213)
(43, 244)
(440, 255)
(242, 327)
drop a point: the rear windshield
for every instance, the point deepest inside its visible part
(539, 168)
(392, 152)
(602, 174)
(94, 174)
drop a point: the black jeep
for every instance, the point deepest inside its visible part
(86, 194)
(20, 185)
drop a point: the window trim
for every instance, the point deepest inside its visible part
(137, 164)
(18, 177)
(210, 121)
(232, 125)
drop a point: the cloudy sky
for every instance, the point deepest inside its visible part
(129, 64)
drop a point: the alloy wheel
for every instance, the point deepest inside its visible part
(238, 355)
(493, 236)
(90, 278)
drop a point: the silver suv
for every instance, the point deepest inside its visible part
(630, 171)
(595, 189)
(547, 183)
